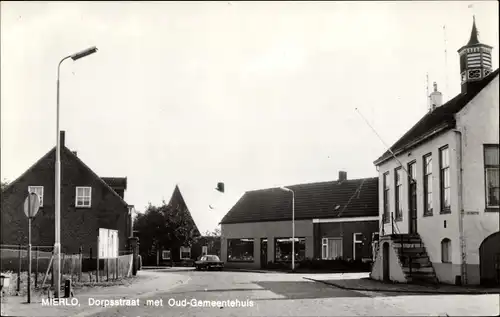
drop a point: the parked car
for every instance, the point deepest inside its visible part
(208, 262)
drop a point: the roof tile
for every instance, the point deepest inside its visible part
(355, 198)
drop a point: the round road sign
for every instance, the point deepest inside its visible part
(31, 205)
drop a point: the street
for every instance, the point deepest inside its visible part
(290, 295)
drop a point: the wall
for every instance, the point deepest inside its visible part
(396, 273)
(79, 226)
(479, 123)
(431, 228)
(269, 230)
(346, 230)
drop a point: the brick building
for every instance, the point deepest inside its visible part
(88, 203)
(332, 220)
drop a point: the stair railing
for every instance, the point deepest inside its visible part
(395, 226)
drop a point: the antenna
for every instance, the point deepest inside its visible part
(445, 61)
(388, 147)
(427, 97)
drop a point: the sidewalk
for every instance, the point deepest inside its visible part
(147, 284)
(364, 283)
(298, 271)
(227, 269)
(167, 268)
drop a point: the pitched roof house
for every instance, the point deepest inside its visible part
(332, 219)
(439, 188)
(88, 203)
(175, 253)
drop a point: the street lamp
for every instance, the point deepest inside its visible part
(293, 225)
(57, 240)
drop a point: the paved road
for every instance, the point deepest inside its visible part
(207, 293)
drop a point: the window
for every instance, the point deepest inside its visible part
(165, 255)
(331, 248)
(492, 176)
(283, 249)
(240, 250)
(398, 173)
(428, 185)
(444, 181)
(412, 188)
(37, 190)
(83, 196)
(357, 245)
(446, 250)
(386, 198)
(185, 253)
(211, 258)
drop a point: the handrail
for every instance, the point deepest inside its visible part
(395, 225)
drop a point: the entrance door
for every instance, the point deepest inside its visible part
(263, 253)
(412, 199)
(385, 262)
(489, 260)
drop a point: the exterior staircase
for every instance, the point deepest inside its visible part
(414, 259)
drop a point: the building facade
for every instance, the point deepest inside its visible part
(440, 187)
(332, 220)
(88, 204)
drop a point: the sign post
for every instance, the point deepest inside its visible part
(31, 206)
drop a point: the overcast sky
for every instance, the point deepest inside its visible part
(253, 94)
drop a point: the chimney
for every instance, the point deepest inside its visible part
(61, 138)
(342, 176)
(436, 98)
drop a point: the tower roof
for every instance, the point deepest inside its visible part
(474, 39)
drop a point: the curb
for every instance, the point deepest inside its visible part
(250, 271)
(402, 291)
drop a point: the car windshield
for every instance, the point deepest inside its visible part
(211, 258)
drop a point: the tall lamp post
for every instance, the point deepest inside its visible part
(293, 225)
(57, 240)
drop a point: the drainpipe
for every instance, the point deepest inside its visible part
(463, 250)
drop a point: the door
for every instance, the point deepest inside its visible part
(385, 262)
(489, 260)
(334, 248)
(263, 253)
(412, 199)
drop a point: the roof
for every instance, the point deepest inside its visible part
(474, 39)
(177, 198)
(441, 118)
(350, 198)
(116, 182)
(71, 154)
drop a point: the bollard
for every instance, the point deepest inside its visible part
(19, 271)
(67, 289)
(36, 268)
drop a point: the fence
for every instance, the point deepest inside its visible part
(76, 267)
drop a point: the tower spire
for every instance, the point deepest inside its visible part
(474, 36)
(475, 60)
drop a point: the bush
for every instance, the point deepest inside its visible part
(337, 264)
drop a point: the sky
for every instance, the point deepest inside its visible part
(252, 94)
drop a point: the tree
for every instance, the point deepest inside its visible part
(4, 184)
(214, 233)
(213, 240)
(163, 228)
